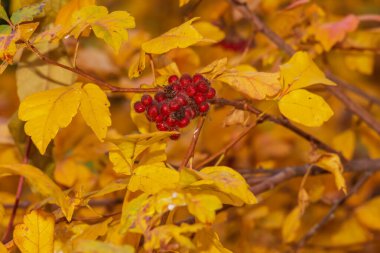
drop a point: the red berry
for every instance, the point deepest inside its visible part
(211, 93)
(182, 100)
(189, 113)
(183, 122)
(185, 80)
(176, 87)
(152, 111)
(175, 136)
(172, 79)
(159, 118)
(204, 107)
(202, 87)
(139, 107)
(199, 98)
(165, 110)
(190, 91)
(174, 105)
(171, 122)
(197, 78)
(146, 100)
(160, 96)
(161, 126)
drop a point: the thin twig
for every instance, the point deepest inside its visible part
(88, 76)
(227, 147)
(284, 46)
(20, 185)
(317, 227)
(194, 140)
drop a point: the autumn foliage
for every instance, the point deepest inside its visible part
(189, 126)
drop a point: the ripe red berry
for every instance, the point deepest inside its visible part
(175, 136)
(211, 93)
(202, 87)
(139, 107)
(174, 105)
(159, 118)
(160, 96)
(191, 90)
(171, 121)
(197, 78)
(172, 79)
(204, 107)
(185, 80)
(165, 110)
(176, 87)
(152, 111)
(161, 126)
(182, 100)
(189, 113)
(146, 100)
(183, 122)
(199, 98)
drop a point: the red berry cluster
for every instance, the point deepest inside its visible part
(181, 101)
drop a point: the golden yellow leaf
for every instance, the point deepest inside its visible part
(300, 72)
(137, 66)
(345, 143)
(363, 62)
(227, 182)
(303, 200)
(183, 2)
(153, 178)
(36, 234)
(122, 157)
(93, 232)
(255, 85)
(207, 241)
(368, 213)
(94, 106)
(65, 13)
(305, 108)
(48, 111)
(209, 31)
(181, 36)
(131, 216)
(203, 206)
(291, 225)
(215, 68)
(40, 182)
(331, 162)
(111, 27)
(3, 249)
(91, 246)
(8, 46)
(69, 172)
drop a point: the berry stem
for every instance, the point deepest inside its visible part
(190, 151)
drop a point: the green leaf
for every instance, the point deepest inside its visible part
(5, 29)
(27, 13)
(3, 14)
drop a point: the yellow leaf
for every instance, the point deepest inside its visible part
(300, 71)
(69, 172)
(3, 249)
(207, 241)
(345, 143)
(368, 213)
(94, 106)
(181, 36)
(183, 2)
(36, 234)
(305, 108)
(91, 246)
(153, 178)
(137, 67)
(8, 46)
(65, 13)
(203, 206)
(209, 31)
(331, 162)
(111, 27)
(363, 62)
(46, 112)
(131, 216)
(215, 68)
(226, 181)
(27, 13)
(122, 157)
(255, 85)
(93, 232)
(40, 182)
(291, 225)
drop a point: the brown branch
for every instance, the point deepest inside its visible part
(281, 44)
(20, 185)
(226, 148)
(80, 72)
(317, 227)
(242, 105)
(194, 140)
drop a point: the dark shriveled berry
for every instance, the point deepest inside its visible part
(139, 107)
